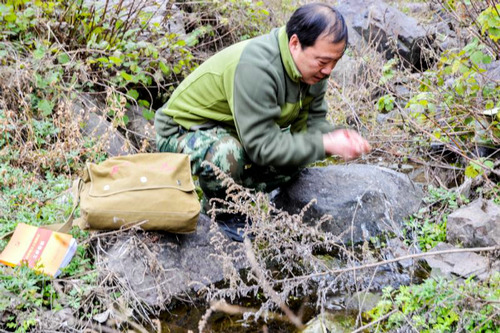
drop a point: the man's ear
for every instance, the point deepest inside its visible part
(294, 43)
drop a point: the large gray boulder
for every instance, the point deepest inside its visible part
(159, 267)
(475, 225)
(363, 200)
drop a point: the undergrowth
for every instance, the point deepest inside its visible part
(54, 54)
(440, 305)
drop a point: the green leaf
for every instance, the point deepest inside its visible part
(115, 60)
(380, 104)
(29, 12)
(39, 53)
(45, 107)
(470, 172)
(10, 17)
(63, 58)
(143, 102)
(126, 76)
(132, 93)
(180, 42)
(148, 114)
(477, 57)
(164, 68)
(125, 120)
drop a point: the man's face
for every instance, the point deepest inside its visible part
(316, 62)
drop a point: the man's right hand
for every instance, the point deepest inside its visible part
(345, 143)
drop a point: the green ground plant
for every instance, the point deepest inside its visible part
(428, 226)
(440, 305)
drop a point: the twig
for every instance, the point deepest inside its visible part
(267, 287)
(384, 317)
(125, 227)
(389, 261)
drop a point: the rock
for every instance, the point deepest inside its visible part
(416, 8)
(362, 301)
(158, 267)
(95, 125)
(491, 76)
(396, 249)
(475, 225)
(371, 199)
(171, 17)
(349, 10)
(64, 316)
(389, 30)
(464, 264)
(348, 71)
(142, 132)
(329, 323)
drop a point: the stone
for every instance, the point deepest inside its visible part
(389, 30)
(158, 267)
(95, 125)
(491, 76)
(348, 71)
(162, 12)
(349, 10)
(396, 249)
(369, 199)
(463, 264)
(329, 323)
(475, 225)
(141, 131)
(362, 301)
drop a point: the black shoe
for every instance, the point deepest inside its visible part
(233, 225)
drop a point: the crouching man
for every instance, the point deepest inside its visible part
(257, 109)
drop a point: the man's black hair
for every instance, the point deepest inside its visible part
(312, 20)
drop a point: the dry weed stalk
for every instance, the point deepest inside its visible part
(285, 258)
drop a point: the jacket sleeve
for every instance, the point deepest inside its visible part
(255, 109)
(316, 119)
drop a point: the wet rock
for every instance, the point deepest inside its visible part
(363, 200)
(464, 264)
(158, 267)
(475, 225)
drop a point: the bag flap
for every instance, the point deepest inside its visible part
(140, 172)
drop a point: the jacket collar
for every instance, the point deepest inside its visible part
(286, 56)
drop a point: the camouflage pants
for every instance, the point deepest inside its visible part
(217, 146)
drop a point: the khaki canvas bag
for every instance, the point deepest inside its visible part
(155, 189)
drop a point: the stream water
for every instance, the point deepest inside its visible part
(184, 317)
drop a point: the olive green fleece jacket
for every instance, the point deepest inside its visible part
(253, 88)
